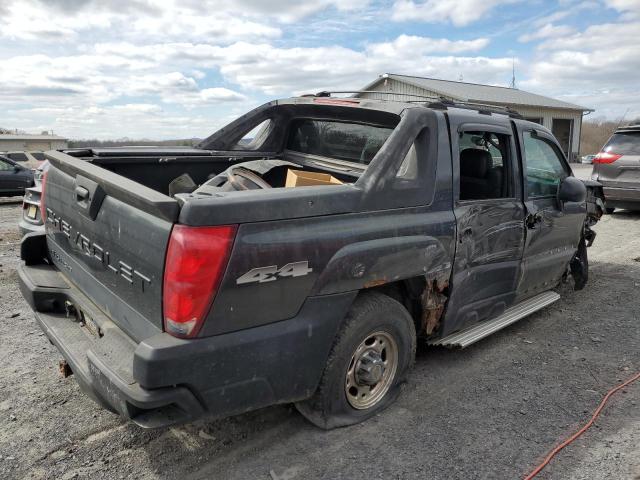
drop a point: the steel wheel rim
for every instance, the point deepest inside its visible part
(360, 393)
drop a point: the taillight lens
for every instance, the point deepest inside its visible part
(606, 157)
(196, 260)
(43, 183)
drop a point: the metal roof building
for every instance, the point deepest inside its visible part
(26, 142)
(562, 118)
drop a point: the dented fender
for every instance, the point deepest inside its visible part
(377, 262)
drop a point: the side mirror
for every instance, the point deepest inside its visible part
(17, 168)
(572, 190)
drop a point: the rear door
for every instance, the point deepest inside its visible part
(553, 230)
(490, 221)
(107, 236)
(624, 171)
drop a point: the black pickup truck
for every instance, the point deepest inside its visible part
(216, 280)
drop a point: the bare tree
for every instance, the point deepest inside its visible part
(595, 134)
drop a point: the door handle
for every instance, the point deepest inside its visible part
(82, 194)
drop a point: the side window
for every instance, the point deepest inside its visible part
(5, 166)
(484, 165)
(254, 138)
(18, 156)
(409, 167)
(545, 169)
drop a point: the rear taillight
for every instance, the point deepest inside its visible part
(196, 261)
(606, 157)
(43, 183)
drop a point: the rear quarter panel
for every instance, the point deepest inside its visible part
(344, 252)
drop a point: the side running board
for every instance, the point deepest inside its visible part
(466, 337)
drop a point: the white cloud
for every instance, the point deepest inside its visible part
(573, 10)
(162, 19)
(421, 45)
(27, 20)
(101, 78)
(629, 8)
(184, 23)
(289, 10)
(281, 71)
(218, 20)
(593, 67)
(459, 13)
(87, 91)
(134, 120)
(167, 66)
(219, 94)
(547, 31)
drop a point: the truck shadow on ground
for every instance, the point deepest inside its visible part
(507, 398)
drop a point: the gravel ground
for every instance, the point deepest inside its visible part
(490, 411)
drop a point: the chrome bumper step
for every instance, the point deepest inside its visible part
(466, 337)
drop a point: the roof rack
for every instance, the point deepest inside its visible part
(445, 103)
(437, 102)
(325, 93)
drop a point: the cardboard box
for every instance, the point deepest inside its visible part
(299, 178)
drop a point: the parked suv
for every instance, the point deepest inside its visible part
(304, 264)
(617, 168)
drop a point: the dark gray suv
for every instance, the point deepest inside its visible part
(617, 168)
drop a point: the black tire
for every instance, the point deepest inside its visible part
(371, 313)
(609, 210)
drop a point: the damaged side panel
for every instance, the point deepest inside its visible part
(579, 266)
(433, 301)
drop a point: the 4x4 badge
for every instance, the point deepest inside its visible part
(271, 273)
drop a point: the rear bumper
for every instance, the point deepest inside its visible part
(622, 197)
(165, 380)
(26, 226)
(101, 363)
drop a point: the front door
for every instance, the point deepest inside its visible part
(10, 179)
(553, 230)
(490, 224)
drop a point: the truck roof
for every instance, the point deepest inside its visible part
(396, 106)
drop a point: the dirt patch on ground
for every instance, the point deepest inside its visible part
(490, 411)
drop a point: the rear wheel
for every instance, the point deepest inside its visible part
(369, 360)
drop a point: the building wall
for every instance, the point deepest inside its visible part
(32, 145)
(548, 114)
(404, 92)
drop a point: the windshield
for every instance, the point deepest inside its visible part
(352, 142)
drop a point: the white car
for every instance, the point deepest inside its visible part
(587, 159)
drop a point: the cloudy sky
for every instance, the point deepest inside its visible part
(176, 69)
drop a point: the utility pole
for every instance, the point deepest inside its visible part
(513, 72)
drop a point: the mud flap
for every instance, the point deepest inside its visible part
(580, 266)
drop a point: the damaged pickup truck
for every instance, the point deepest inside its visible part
(299, 253)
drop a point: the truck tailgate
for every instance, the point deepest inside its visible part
(107, 238)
